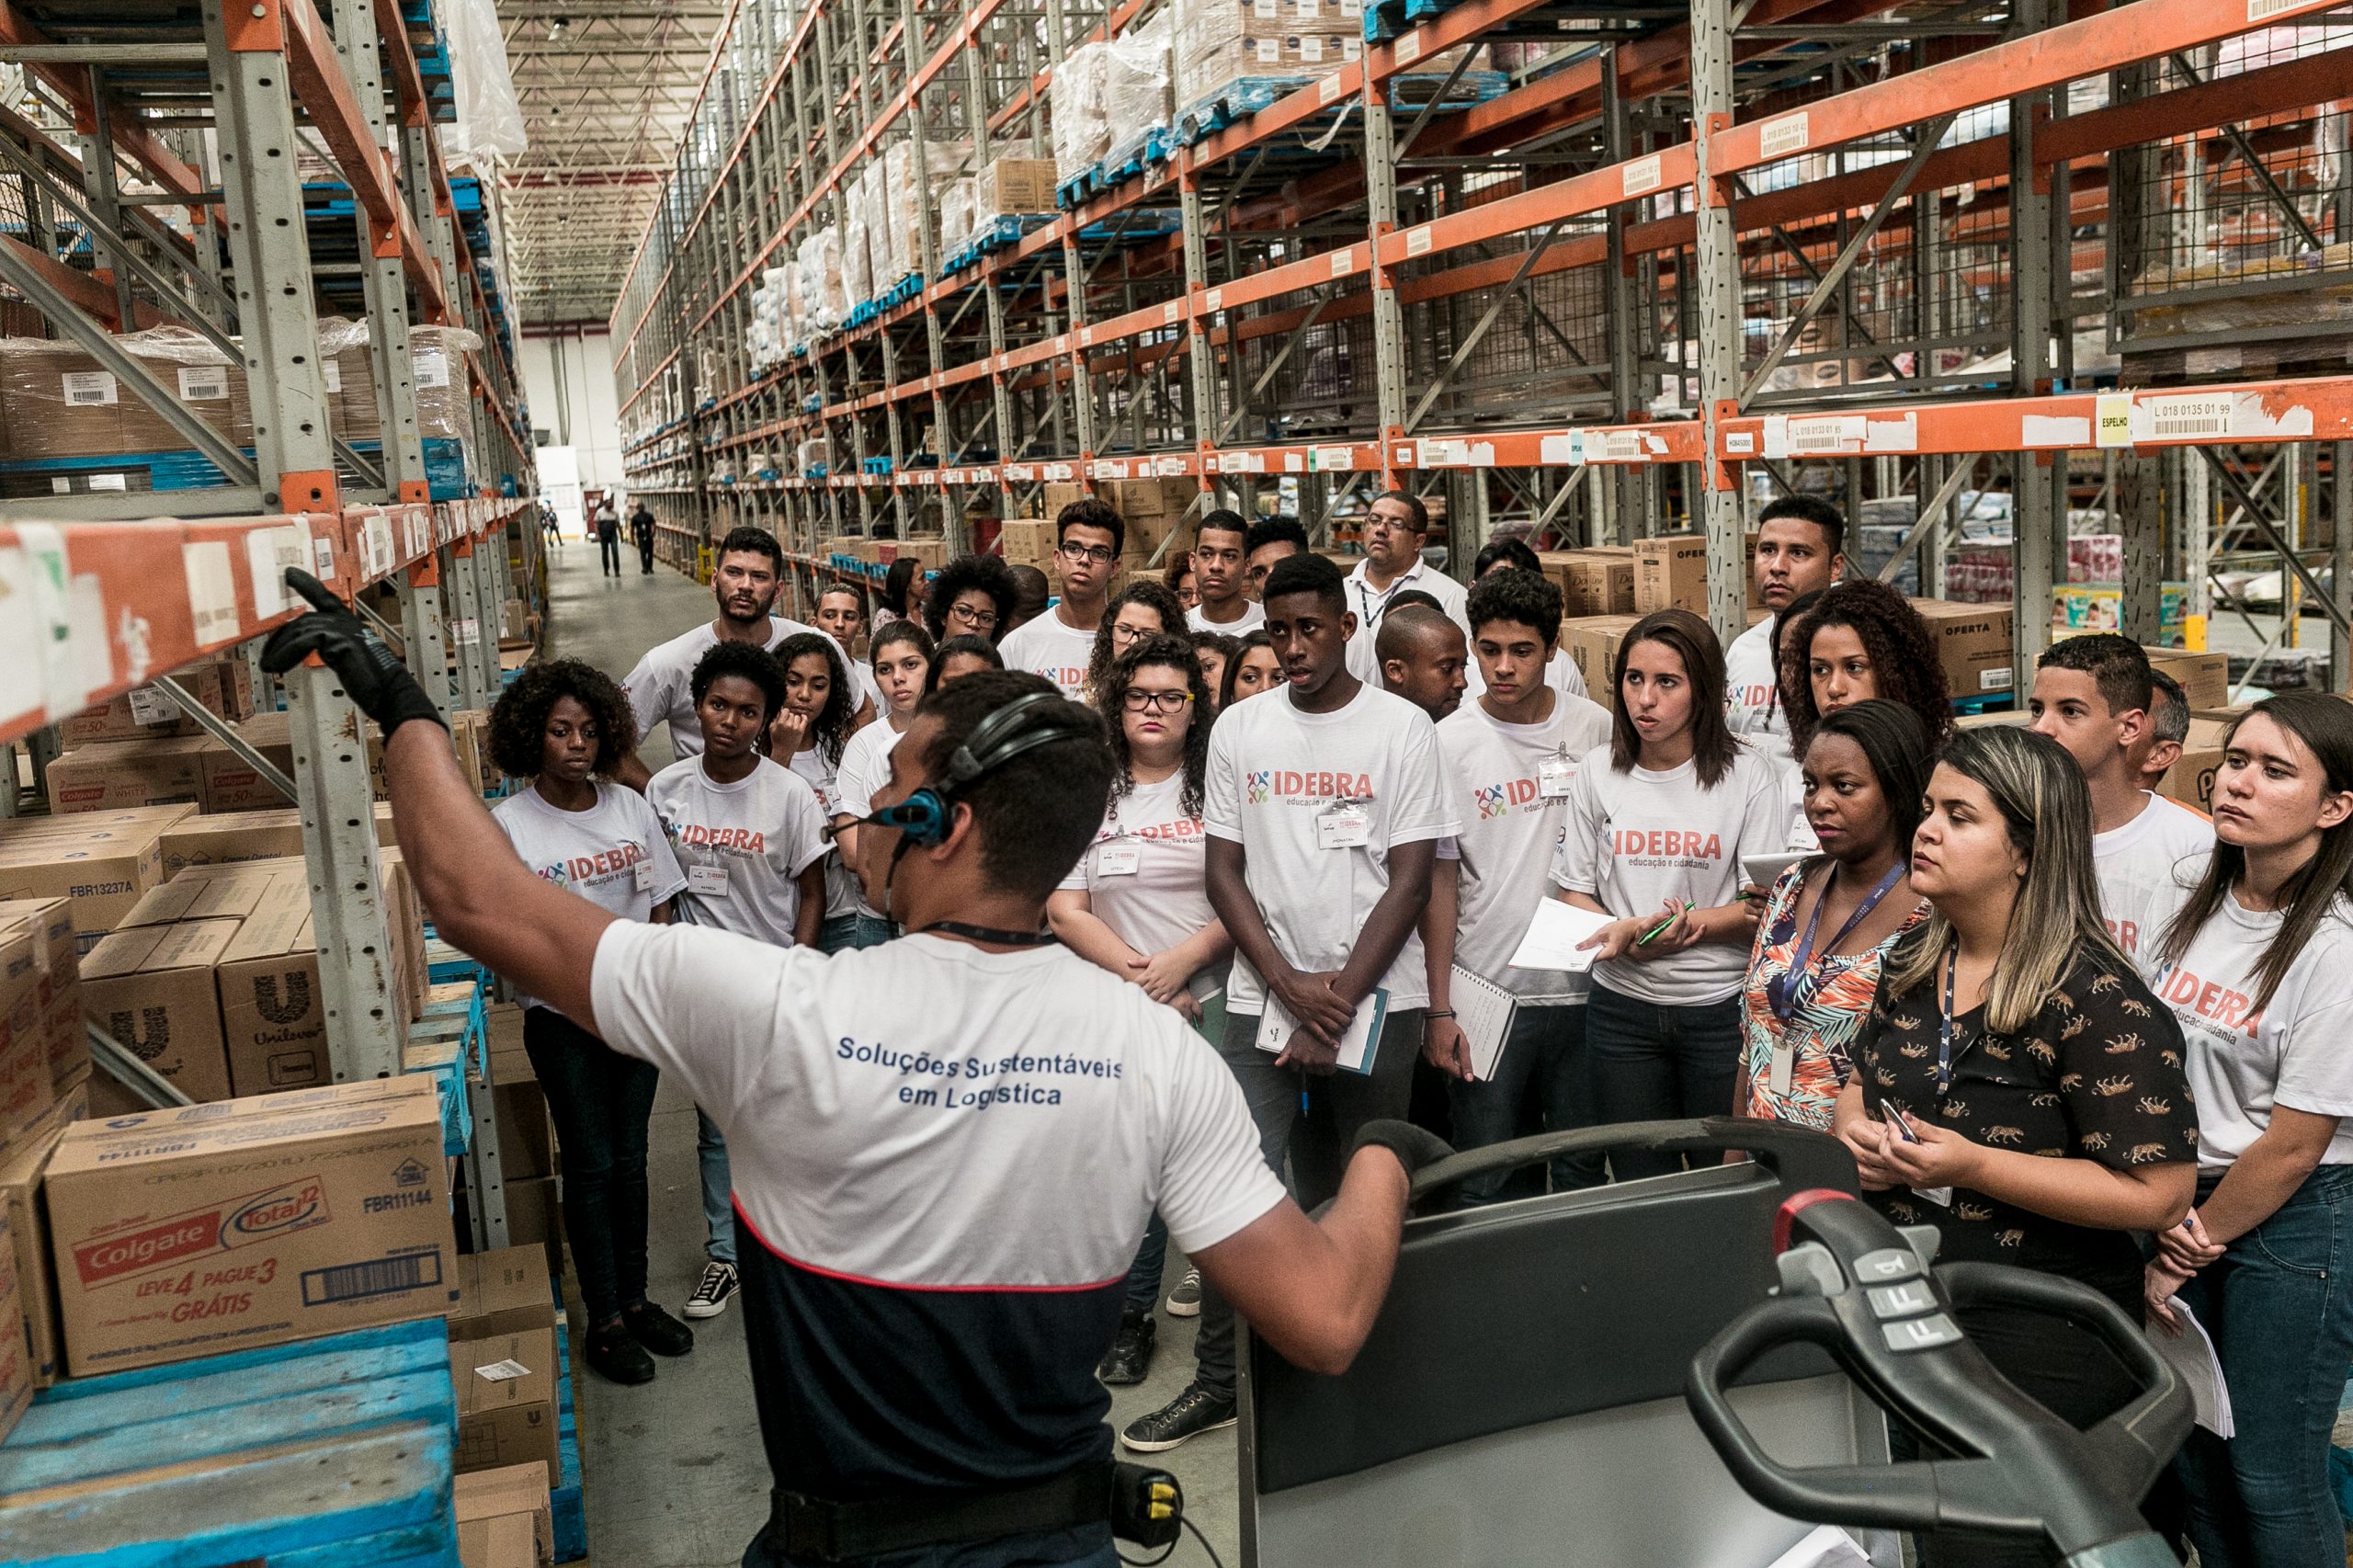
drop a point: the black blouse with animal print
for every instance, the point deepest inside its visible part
(2096, 1075)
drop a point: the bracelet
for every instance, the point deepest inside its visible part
(1436, 1013)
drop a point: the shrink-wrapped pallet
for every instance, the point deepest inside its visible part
(1137, 87)
(907, 201)
(1219, 42)
(958, 220)
(823, 296)
(1081, 126)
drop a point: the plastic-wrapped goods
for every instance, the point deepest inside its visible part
(58, 401)
(813, 455)
(1137, 87)
(796, 305)
(906, 204)
(958, 219)
(1219, 42)
(823, 301)
(438, 371)
(1082, 131)
(857, 266)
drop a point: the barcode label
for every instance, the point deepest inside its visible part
(1642, 174)
(1311, 50)
(2188, 417)
(1409, 47)
(149, 706)
(378, 1277)
(1328, 90)
(1418, 240)
(1778, 138)
(88, 388)
(334, 374)
(500, 1372)
(203, 383)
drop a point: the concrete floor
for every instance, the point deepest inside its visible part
(673, 1470)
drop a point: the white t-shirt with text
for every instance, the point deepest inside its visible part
(866, 768)
(1752, 702)
(2135, 866)
(1147, 875)
(1047, 647)
(661, 688)
(615, 854)
(742, 846)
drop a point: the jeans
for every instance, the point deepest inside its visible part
(844, 932)
(718, 1190)
(1044, 1549)
(1653, 1063)
(645, 558)
(2281, 1312)
(1145, 1273)
(608, 555)
(1313, 1122)
(599, 1101)
(1546, 1053)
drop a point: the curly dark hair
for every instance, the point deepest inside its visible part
(1179, 567)
(755, 663)
(830, 728)
(518, 719)
(1092, 512)
(1171, 653)
(968, 646)
(1154, 597)
(987, 573)
(1785, 673)
(1517, 595)
(1904, 665)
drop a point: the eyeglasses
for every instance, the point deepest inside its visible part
(1099, 554)
(1138, 699)
(981, 619)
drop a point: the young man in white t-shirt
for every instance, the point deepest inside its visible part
(1218, 547)
(933, 1260)
(1324, 807)
(1510, 757)
(2092, 695)
(841, 615)
(1801, 544)
(749, 573)
(1059, 644)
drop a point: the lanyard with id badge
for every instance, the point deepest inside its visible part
(1554, 775)
(1941, 1196)
(1345, 824)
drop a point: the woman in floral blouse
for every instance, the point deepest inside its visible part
(2015, 1084)
(1831, 919)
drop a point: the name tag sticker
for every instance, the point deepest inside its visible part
(642, 875)
(1783, 1069)
(1553, 777)
(710, 882)
(1344, 824)
(1118, 859)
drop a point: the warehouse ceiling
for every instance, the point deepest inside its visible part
(605, 88)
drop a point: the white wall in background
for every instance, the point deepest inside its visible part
(587, 380)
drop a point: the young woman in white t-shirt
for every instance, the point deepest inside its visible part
(1142, 610)
(563, 726)
(808, 736)
(2256, 963)
(900, 656)
(1657, 823)
(1137, 903)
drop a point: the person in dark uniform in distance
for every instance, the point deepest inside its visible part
(606, 525)
(946, 1147)
(640, 529)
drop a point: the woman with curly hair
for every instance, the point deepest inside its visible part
(1863, 641)
(973, 595)
(1179, 579)
(807, 736)
(564, 726)
(1142, 610)
(1137, 903)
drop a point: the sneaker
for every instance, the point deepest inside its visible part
(619, 1357)
(1184, 1300)
(1190, 1414)
(658, 1330)
(1131, 1354)
(713, 1290)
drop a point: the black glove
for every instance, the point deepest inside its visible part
(1414, 1146)
(376, 680)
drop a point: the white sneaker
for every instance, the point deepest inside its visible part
(712, 1291)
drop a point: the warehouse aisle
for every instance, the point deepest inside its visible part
(674, 1476)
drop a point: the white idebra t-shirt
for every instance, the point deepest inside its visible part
(1254, 615)
(661, 688)
(2244, 1062)
(1147, 875)
(866, 768)
(1752, 702)
(614, 854)
(741, 845)
(1274, 770)
(2135, 866)
(1047, 647)
(841, 882)
(1636, 839)
(1511, 830)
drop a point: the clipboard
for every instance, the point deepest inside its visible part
(1484, 1012)
(1276, 1026)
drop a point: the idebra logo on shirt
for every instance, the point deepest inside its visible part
(694, 835)
(589, 867)
(1501, 799)
(1272, 784)
(2180, 988)
(1758, 696)
(1658, 844)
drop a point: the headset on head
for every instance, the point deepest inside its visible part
(1020, 726)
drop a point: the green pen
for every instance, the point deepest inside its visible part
(1662, 925)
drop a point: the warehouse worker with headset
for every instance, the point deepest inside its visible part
(945, 1147)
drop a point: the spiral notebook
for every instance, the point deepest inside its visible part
(1484, 1012)
(1275, 1025)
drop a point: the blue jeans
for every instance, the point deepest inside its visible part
(718, 1190)
(1546, 1053)
(844, 932)
(2280, 1308)
(599, 1101)
(1657, 1064)
(1152, 1258)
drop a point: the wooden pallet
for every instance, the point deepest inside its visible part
(326, 1453)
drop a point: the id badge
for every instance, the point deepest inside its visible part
(1118, 859)
(1553, 776)
(1344, 824)
(709, 882)
(642, 876)
(1784, 1067)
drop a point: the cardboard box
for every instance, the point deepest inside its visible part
(1592, 582)
(1593, 641)
(232, 783)
(1028, 541)
(2205, 678)
(50, 924)
(534, 1214)
(2190, 779)
(103, 862)
(152, 988)
(207, 1228)
(232, 837)
(143, 713)
(109, 775)
(16, 1359)
(507, 1399)
(503, 1293)
(1671, 572)
(1973, 643)
(27, 1089)
(1014, 184)
(525, 1133)
(26, 1216)
(503, 1517)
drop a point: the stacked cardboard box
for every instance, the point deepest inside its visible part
(1599, 581)
(228, 839)
(2190, 780)
(1974, 643)
(528, 1154)
(1222, 41)
(1593, 641)
(503, 1360)
(1671, 572)
(224, 685)
(503, 1517)
(1026, 541)
(57, 401)
(103, 862)
(1010, 185)
(26, 1216)
(2205, 678)
(107, 776)
(48, 923)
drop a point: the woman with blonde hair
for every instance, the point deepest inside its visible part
(2016, 1085)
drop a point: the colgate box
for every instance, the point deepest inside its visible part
(246, 1222)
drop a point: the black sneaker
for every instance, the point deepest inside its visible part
(1131, 1354)
(713, 1290)
(1190, 1414)
(619, 1357)
(1185, 1301)
(658, 1330)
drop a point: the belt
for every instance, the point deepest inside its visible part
(823, 1531)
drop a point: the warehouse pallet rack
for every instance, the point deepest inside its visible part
(1686, 259)
(220, 118)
